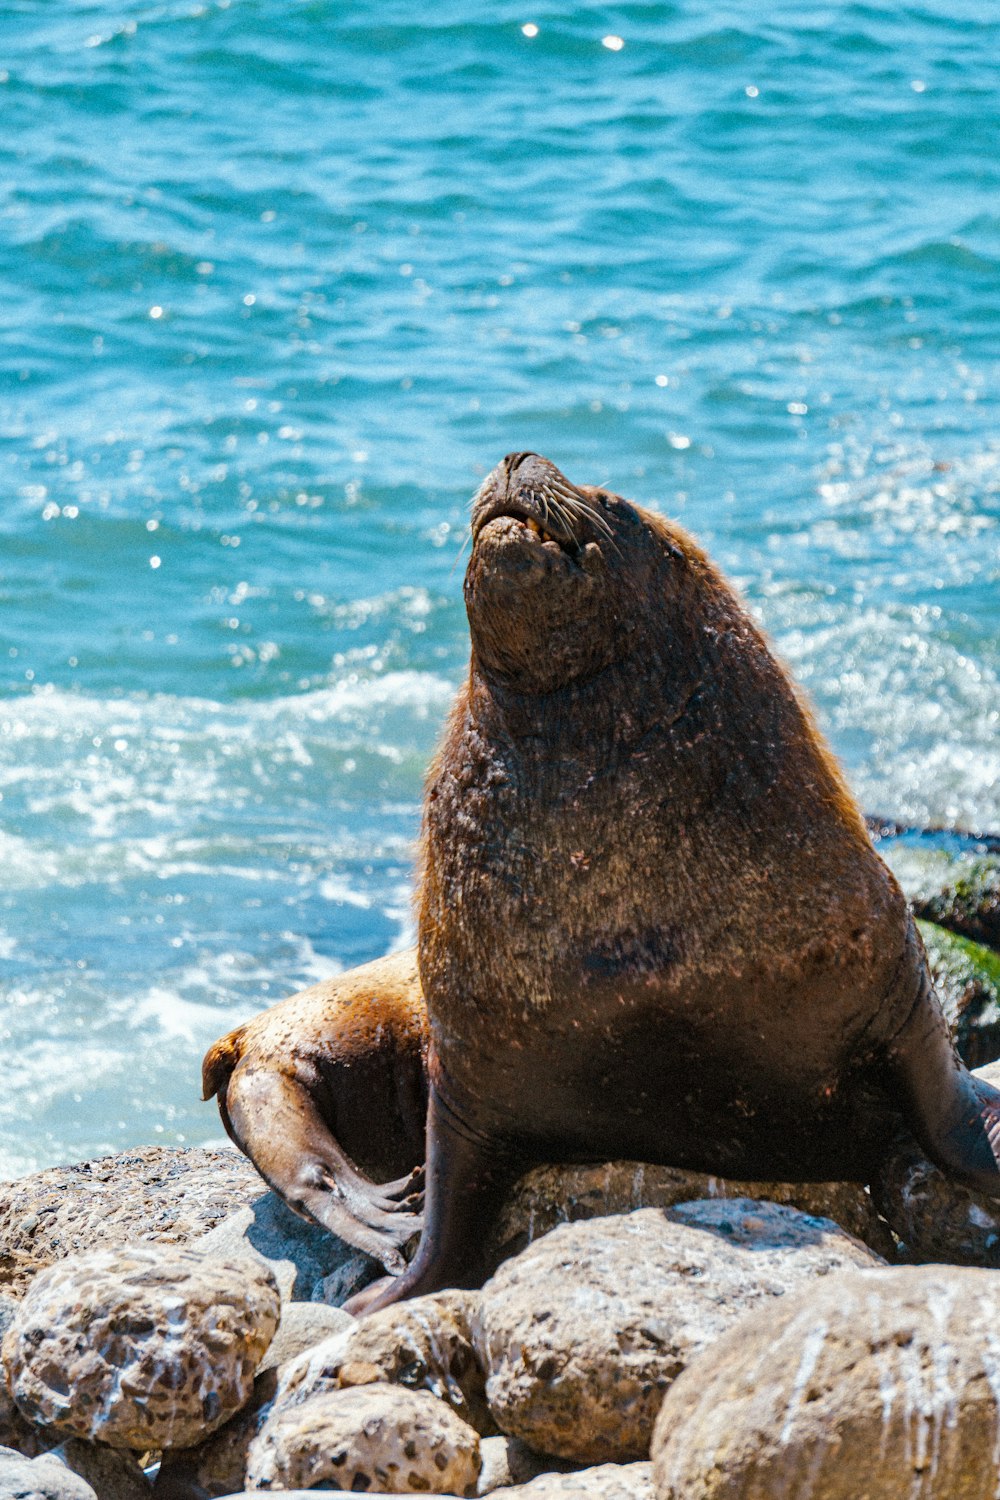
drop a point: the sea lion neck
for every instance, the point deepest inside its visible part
(593, 720)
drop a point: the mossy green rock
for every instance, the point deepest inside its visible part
(957, 891)
(967, 978)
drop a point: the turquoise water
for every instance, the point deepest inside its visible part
(281, 280)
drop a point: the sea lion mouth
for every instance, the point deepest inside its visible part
(531, 491)
(541, 529)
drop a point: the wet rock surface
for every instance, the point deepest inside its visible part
(142, 1347)
(168, 1195)
(881, 1384)
(962, 894)
(376, 1437)
(553, 1195)
(582, 1333)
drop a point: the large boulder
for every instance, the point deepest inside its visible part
(373, 1437)
(878, 1384)
(552, 1195)
(582, 1333)
(163, 1194)
(143, 1347)
(309, 1263)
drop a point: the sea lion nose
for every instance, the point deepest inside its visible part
(515, 460)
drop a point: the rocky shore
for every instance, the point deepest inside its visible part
(171, 1331)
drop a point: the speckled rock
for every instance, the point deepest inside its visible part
(605, 1482)
(44, 1478)
(582, 1333)
(218, 1465)
(168, 1195)
(506, 1461)
(967, 979)
(425, 1344)
(146, 1346)
(16, 1432)
(552, 1195)
(882, 1385)
(936, 1218)
(373, 1437)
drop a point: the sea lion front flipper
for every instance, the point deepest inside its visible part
(468, 1175)
(954, 1115)
(273, 1118)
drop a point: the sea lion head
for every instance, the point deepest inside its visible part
(562, 578)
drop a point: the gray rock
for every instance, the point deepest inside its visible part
(44, 1478)
(552, 1195)
(142, 1347)
(882, 1384)
(936, 1218)
(303, 1325)
(373, 1437)
(605, 1482)
(582, 1333)
(506, 1461)
(162, 1194)
(302, 1256)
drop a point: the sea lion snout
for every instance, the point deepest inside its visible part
(550, 511)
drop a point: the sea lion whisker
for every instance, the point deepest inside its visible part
(458, 555)
(582, 507)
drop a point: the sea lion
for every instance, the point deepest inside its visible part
(651, 922)
(326, 1091)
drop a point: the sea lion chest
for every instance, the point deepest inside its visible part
(610, 929)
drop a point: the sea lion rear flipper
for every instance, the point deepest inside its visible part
(954, 1115)
(273, 1118)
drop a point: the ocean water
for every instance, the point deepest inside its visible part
(281, 280)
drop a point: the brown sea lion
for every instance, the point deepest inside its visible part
(652, 924)
(327, 1091)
